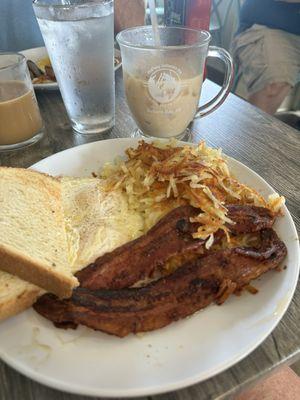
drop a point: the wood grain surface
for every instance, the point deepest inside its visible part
(267, 146)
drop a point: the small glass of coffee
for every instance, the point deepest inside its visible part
(20, 119)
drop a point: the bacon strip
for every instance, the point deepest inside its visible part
(249, 218)
(171, 236)
(137, 259)
(193, 286)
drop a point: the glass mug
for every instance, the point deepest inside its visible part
(20, 120)
(163, 82)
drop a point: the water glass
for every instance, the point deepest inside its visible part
(79, 37)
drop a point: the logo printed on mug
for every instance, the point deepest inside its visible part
(164, 83)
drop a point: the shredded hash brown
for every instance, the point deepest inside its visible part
(160, 176)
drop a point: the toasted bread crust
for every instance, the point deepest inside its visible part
(30, 270)
(33, 171)
(19, 303)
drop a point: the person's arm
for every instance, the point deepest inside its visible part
(129, 13)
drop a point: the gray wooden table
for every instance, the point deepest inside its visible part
(263, 143)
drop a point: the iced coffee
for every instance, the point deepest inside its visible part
(163, 69)
(163, 105)
(20, 120)
(19, 114)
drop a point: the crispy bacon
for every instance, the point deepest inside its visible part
(193, 286)
(249, 218)
(137, 260)
(170, 237)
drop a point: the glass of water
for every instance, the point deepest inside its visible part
(79, 37)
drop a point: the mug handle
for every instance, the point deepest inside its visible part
(213, 104)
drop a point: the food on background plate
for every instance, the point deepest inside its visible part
(184, 195)
(117, 61)
(42, 71)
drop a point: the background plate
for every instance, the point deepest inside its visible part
(38, 53)
(185, 352)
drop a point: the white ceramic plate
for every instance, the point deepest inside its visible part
(38, 53)
(189, 351)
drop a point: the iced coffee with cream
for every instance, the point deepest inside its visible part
(162, 87)
(19, 114)
(164, 104)
(20, 120)
(163, 69)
